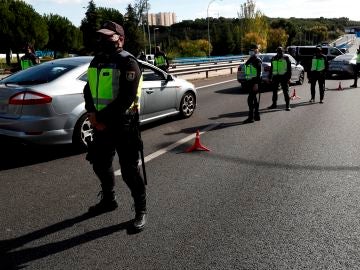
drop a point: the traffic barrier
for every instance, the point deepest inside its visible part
(294, 96)
(197, 145)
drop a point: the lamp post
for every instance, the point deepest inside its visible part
(155, 36)
(207, 16)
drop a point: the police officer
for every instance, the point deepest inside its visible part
(280, 73)
(251, 84)
(356, 68)
(160, 59)
(111, 100)
(319, 66)
(29, 59)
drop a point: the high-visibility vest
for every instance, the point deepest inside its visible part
(358, 58)
(160, 60)
(25, 63)
(104, 86)
(279, 67)
(250, 72)
(318, 64)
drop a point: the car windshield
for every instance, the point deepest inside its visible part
(43, 73)
(266, 57)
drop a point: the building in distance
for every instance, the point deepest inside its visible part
(161, 18)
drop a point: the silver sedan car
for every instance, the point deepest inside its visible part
(342, 65)
(45, 105)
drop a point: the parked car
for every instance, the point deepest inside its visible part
(297, 70)
(44, 104)
(304, 54)
(342, 65)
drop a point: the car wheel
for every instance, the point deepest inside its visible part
(187, 105)
(301, 78)
(82, 132)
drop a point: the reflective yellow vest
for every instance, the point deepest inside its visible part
(318, 64)
(250, 72)
(279, 67)
(104, 87)
(26, 63)
(160, 60)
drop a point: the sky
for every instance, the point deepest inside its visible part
(74, 10)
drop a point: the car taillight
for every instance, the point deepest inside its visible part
(29, 98)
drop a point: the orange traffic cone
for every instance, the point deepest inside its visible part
(339, 87)
(294, 96)
(197, 145)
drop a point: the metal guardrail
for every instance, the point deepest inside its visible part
(204, 68)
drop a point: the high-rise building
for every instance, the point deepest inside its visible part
(161, 18)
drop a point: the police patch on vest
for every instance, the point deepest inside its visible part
(130, 75)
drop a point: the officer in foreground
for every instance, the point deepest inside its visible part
(111, 99)
(280, 73)
(252, 82)
(356, 68)
(161, 60)
(319, 66)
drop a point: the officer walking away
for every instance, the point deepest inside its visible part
(29, 59)
(161, 60)
(142, 56)
(251, 84)
(111, 99)
(356, 68)
(319, 67)
(280, 73)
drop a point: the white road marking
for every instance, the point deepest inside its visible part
(182, 141)
(174, 145)
(204, 86)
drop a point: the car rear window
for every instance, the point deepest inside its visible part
(43, 73)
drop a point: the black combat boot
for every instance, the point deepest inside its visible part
(139, 221)
(107, 203)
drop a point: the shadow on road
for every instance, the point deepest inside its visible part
(13, 258)
(16, 154)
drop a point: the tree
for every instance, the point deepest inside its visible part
(276, 38)
(71, 37)
(253, 22)
(133, 35)
(20, 24)
(89, 25)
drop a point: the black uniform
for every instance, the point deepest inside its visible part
(356, 68)
(248, 85)
(318, 76)
(283, 80)
(121, 133)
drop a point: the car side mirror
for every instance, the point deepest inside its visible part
(169, 77)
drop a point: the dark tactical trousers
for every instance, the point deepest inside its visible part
(320, 78)
(284, 82)
(252, 100)
(124, 142)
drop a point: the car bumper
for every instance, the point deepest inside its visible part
(44, 131)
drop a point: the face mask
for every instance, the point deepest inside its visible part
(109, 45)
(251, 53)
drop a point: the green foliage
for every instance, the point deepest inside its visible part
(71, 37)
(21, 24)
(191, 48)
(277, 37)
